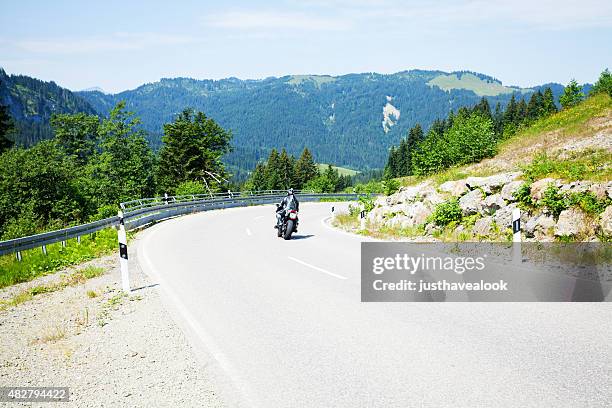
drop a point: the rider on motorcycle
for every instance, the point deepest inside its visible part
(291, 202)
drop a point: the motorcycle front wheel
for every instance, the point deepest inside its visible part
(289, 229)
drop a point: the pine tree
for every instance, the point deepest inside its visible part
(535, 105)
(521, 112)
(548, 103)
(273, 171)
(192, 149)
(6, 127)
(572, 95)
(286, 168)
(305, 169)
(498, 120)
(258, 178)
(483, 108)
(510, 113)
(603, 84)
(76, 134)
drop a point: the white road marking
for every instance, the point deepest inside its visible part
(316, 268)
(249, 233)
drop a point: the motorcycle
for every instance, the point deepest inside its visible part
(288, 225)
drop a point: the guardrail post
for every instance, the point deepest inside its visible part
(516, 235)
(123, 254)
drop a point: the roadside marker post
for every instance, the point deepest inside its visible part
(362, 223)
(333, 211)
(123, 254)
(516, 235)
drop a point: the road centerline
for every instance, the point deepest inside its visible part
(316, 268)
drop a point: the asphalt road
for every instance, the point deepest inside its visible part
(284, 322)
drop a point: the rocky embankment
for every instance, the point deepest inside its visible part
(481, 208)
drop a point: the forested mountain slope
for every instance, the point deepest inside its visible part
(348, 120)
(31, 103)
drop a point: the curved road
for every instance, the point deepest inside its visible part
(284, 322)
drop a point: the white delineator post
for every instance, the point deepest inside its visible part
(516, 235)
(362, 223)
(333, 213)
(123, 254)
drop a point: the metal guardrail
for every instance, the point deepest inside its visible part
(137, 213)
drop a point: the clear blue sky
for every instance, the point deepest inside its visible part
(119, 45)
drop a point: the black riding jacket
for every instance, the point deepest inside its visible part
(289, 202)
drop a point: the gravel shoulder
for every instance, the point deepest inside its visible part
(109, 348)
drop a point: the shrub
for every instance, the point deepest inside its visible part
(523, 196)
(447, 212)
(588, 202)
(553, 200)
(190, 187)
(367, 202)
(390, 186)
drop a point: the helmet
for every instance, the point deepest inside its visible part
(290, 191)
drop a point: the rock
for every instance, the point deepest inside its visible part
(576, 187)
(508, 190)
(538, 187)
(431, 228)
(398, 221)
(431, 198)
(601, 190)
(418, 213)
(493, 203)
(412, 215)
(539, 226)
(571, 222)
(606, 221)
(503, 216)
(472, 202)
(483, 226)
(410, 194)
(455, 188)
(491, 183)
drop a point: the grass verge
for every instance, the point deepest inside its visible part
(73, 279)
(35, 263)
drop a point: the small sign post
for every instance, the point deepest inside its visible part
(362, 223)
(123, 254)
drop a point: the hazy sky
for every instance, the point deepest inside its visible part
(119, 45)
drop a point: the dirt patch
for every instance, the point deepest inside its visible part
(111, 349)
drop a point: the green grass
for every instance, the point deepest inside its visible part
(343, 171)
(594, 165)
(472, 83)
(34, 263)
(575, 121)
(73, 279)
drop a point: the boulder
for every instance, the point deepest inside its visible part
(571, 222)
(576, 187)
(503, 216)
(483, 226)
(508, 190)
(539, 226)
(455, 188)
(412, 193)
(606, 221)
(601, 190)
(418, 213)
(399, 221)
(491, 183)
(538, 187)
(472, 202)
(493, 203)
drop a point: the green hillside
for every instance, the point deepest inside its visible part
(477, 84)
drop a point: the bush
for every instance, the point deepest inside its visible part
(588, 202)
(554, 201)
(447, 212)
(603, 84)
(523, 196)
(390, 186)
(190, 187)
(367, 202)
